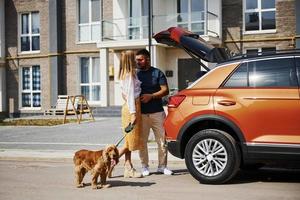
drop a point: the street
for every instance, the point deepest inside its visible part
(36, 163)
(55, 180)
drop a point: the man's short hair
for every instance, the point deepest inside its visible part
(143, 52)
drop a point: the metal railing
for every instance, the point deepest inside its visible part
(136, 28)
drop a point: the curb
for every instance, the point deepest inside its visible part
(65, 155)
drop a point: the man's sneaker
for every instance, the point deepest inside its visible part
(145, 171)
(164, 171)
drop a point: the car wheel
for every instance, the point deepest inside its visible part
(212, 156)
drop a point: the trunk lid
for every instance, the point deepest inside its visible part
(192, 43)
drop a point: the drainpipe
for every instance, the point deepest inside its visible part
(55, 61)
(150, 22)
(2, 59)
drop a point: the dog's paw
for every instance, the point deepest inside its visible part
(80, 185)
(95, 187)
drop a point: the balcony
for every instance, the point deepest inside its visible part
(202, 17)
(206, 24)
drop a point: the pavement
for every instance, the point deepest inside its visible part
(36, 163)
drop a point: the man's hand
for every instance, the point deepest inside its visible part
(145, 98)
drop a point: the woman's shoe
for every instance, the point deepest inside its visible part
(132, 173)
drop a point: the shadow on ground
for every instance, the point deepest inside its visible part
(267, 175)
(117, 183)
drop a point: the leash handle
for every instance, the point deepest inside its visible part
(127, 130)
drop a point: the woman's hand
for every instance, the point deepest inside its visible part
(133, 118)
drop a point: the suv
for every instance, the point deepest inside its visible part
(245, 111)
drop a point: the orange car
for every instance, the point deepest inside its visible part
(244, 111)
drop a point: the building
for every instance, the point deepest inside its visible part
(52, 47)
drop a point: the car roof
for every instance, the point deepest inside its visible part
(268, 54)
(262, 55)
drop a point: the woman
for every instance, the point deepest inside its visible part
(131, 113)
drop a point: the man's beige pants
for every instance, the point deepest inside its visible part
(153, 121)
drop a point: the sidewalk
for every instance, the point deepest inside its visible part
(67, 155)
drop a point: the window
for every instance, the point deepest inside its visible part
(191, 15)
(259, 51)
(272, 73)
(89, 20)
(31, 87)
(30, 32)
(138, 19)
(90, 78)
(239, 78)
(265, 73)
(259, 15)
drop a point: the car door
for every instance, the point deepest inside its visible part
(262, 98)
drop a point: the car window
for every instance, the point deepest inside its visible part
(298, 69)
(239, 78)
(272, 73)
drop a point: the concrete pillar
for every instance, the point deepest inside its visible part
(118, 96)
(104, 65)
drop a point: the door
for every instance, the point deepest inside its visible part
(187, 72)
(262, 98)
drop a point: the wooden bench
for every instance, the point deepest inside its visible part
(63, 105)
(71, 105)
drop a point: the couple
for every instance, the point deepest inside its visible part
(142, 91)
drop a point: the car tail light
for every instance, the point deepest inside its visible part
(175, 101)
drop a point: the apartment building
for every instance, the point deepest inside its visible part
(52, 47)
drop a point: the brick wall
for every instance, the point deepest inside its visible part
(70, 46)
(13, 9)
(233, 27)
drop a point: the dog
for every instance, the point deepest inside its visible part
(97, 162)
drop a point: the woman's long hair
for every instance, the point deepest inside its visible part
(127, 64)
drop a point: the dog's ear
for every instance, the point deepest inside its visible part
(105, 155)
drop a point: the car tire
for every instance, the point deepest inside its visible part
(212, 156)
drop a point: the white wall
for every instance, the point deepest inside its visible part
(104, 65)
(117, 90)
(164, 14)
(215, 24)
(120, 9)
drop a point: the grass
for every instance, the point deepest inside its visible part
(35, 122)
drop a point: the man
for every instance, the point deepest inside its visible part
(154, 87)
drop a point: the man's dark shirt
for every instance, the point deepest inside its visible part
(151, 80)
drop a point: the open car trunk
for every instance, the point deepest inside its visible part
(192, 44)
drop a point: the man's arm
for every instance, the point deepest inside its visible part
(164, 90)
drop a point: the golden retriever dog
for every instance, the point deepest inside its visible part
(97, 162)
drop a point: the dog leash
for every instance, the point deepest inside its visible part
(127, 130)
